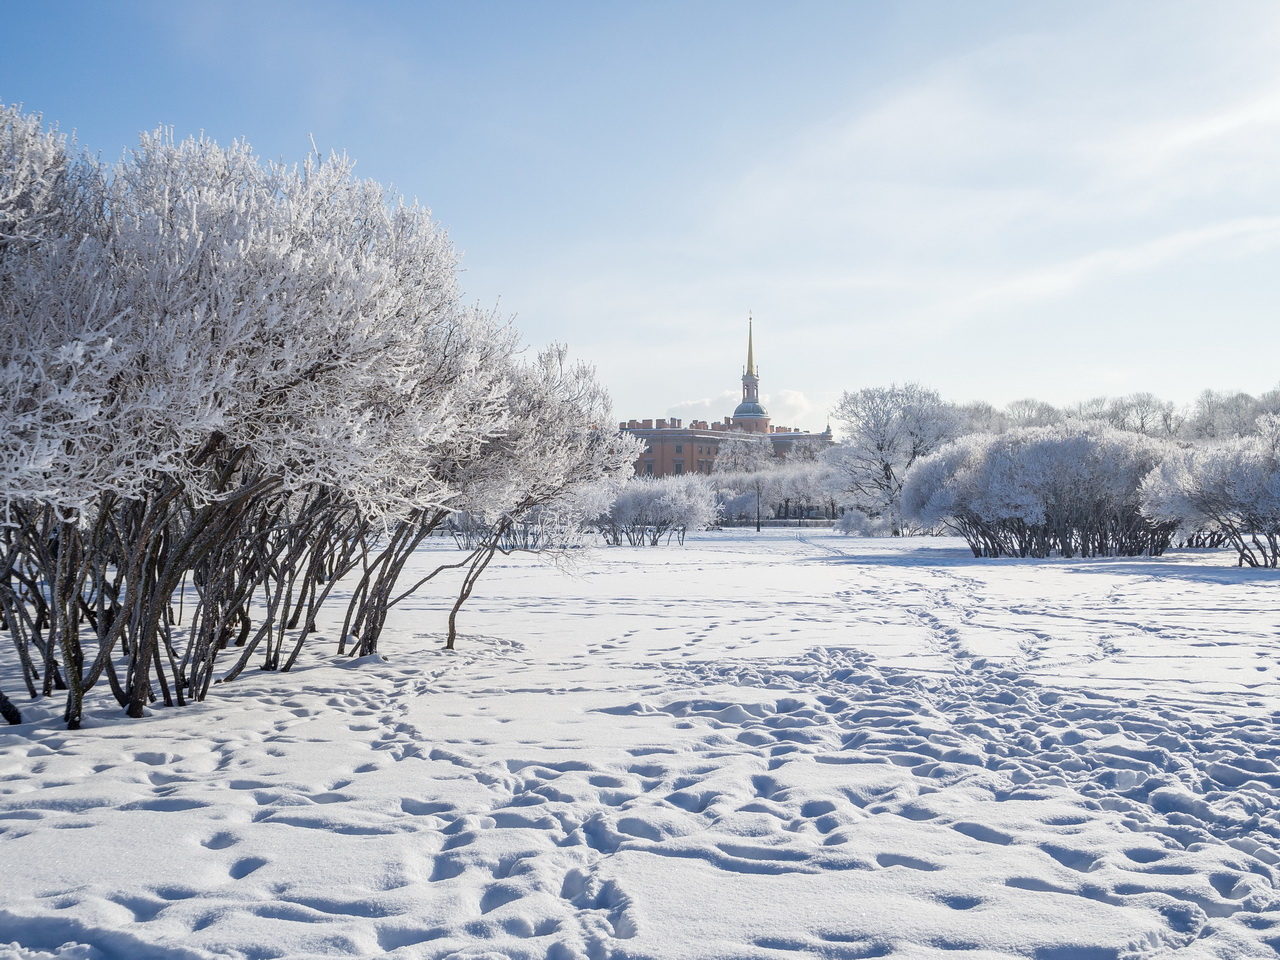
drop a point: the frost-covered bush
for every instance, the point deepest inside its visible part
(855, 523)
(886, 430)
(647, 511)
(802, 487)
(1231, 488)
(1070, 489)
(59, 347)
(253, 379)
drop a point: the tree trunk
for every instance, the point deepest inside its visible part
(8, 710)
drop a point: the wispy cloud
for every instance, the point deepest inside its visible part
(1038, 284)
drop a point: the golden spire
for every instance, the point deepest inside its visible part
(751, 363)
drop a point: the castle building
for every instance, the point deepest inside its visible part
(672, 449)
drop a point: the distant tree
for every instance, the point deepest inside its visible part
(1143, 413)
(743, 465)
(807, 449)
(1217, 416)
(980, 417)
(886, 430)
(742, 452)
(801, 486)
(1268, 402)
(1095, 408)
(1031, 413)
(646, 511)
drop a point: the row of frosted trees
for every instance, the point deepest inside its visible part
(647, 512)
(1076, 488)
(1083, 488)
(225, 385)
(1082, 483)
(748, 482)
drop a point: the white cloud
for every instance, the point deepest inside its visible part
(711, 408)
(791, 408)
(788, 408)
(1037, 284)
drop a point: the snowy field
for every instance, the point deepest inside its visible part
(758, 746)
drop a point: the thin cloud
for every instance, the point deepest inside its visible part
(1245, 235)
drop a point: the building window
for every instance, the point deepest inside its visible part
(648, 467)
(678, 468)
(679, 448)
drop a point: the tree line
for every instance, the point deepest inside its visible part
(1121, 477)
(1118, 477)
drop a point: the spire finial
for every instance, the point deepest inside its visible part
(751, 362)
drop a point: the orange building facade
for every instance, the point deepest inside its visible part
(672, 449)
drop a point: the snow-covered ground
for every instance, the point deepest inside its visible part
(758, 746)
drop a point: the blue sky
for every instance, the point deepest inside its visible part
(996, 199)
